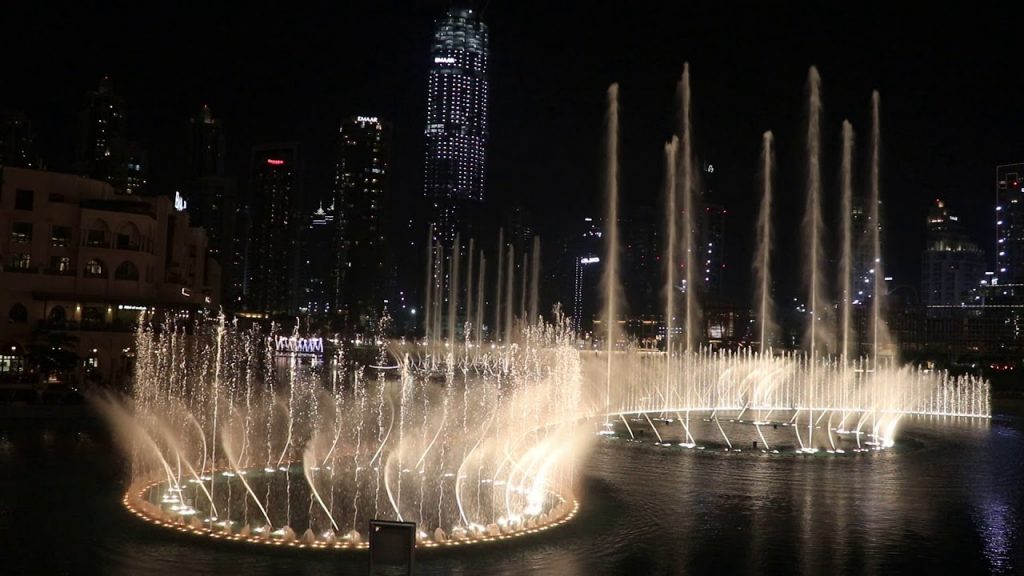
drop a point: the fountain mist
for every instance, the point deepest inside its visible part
(688, 186)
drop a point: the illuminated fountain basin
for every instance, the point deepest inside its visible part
(307, 450)
(179, 507)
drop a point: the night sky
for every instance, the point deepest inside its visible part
(951, 85)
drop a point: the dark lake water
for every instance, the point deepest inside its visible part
(949, 499)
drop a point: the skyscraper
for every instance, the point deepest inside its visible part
(456, 131)
(1010, 223)
(212, 199)
(361, 196)
(276, 188)
(952, 266)
(104, 151)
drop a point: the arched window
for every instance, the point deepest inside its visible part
(95, 269)
(18, 314)
(98, 234)
(58, 314)
(127, 237)
(126, 271)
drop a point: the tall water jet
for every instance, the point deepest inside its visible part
(610, 278)
(671, 225)
(762, 261)
(846, 258)
(535, 281)
(687, 183)
(880, 335)
(817, 337)
(671, 221)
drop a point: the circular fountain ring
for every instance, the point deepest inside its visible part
(139, 501)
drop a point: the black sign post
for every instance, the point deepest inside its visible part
(391, 548)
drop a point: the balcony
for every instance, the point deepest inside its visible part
(21, 269)
(59, 272)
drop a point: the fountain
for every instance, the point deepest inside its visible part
(245, 434)
(230, 438)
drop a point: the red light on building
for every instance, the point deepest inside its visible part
(274, 162)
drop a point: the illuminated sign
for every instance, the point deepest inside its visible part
(370, 119)
(130, 307)
(180, 204)
(274, 162)
(591, 260)
(444, 60)
(186, 292)
(296, 345)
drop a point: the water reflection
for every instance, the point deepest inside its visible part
(947, 499)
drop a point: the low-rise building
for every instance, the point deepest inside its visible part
(78, 259)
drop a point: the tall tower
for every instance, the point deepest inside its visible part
(454, 170)
(276, 190)
(213, 200)
(1010, 223)
(360, 195)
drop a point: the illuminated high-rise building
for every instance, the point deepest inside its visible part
(952, 267)
(362, 271)
(274, 203)
(454, 171)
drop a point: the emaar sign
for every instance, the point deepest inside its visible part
(295, 345)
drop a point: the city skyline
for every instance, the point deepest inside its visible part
(563, 106)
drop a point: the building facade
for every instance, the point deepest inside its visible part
(78, 258)
(454, 172)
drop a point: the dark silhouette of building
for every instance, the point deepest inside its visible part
(17, 141)
(952, 267)
(104, 150)
(212, 198)
(456, 134)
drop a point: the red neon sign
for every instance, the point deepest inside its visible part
(274, 162)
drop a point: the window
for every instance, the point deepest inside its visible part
(96, 239)
(58, 314)
(23, 199)
(60, 236)
(21, 232)
(18, 314)
(126, 271)
(60, 264)
(95, 269)
(21, 261)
